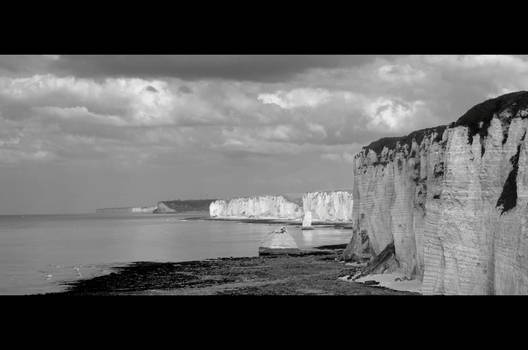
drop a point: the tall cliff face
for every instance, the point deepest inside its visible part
(332, 206)
(454, 200)
(258, 207)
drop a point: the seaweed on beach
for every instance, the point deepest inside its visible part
(309, 273)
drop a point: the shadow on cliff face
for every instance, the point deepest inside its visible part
(384, 262)
(508, 197)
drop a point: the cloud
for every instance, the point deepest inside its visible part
(263, 68)
(296, 98)
(400, 74)
(343, 157)
(172, 126)
(152, 107)
(16, 65)
(392, 114)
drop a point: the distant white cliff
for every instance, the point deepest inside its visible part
(143, 210)
(257, 207)
(329, 206)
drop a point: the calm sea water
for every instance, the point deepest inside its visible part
(38, 253)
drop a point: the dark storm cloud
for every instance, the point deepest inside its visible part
(185, 90)
(265, 68)
(151, 88)
(11, 65)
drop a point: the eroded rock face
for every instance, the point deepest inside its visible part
(331, 206)
(258, 207)
(453, 200)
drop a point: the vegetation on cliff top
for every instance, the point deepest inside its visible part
(477, 119)
(418, 136)
(189, 205)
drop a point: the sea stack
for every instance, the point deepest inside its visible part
(307, 221)
(279, 242)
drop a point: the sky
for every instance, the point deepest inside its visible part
(84, 132)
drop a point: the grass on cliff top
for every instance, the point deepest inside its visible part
(189, 204)
(477, 119)
(418, 136)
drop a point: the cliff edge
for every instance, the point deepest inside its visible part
(452, 199)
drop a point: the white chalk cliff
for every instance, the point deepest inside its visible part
(332, 206)
(452, 199)
(257, 207)
(307, 219)
(326, 206)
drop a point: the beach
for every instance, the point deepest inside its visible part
(312, 272)
(38, 253)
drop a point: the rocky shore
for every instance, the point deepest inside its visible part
(311, 272)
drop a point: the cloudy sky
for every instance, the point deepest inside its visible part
(83, 132)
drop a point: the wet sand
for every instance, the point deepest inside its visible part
(313, 272)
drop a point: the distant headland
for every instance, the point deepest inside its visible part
(172, 206)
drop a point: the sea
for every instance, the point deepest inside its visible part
(43, 253)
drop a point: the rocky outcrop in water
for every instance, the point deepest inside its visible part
(307, 220)
(453, 200)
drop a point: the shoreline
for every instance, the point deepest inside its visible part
(314, 271)
(292, 222)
